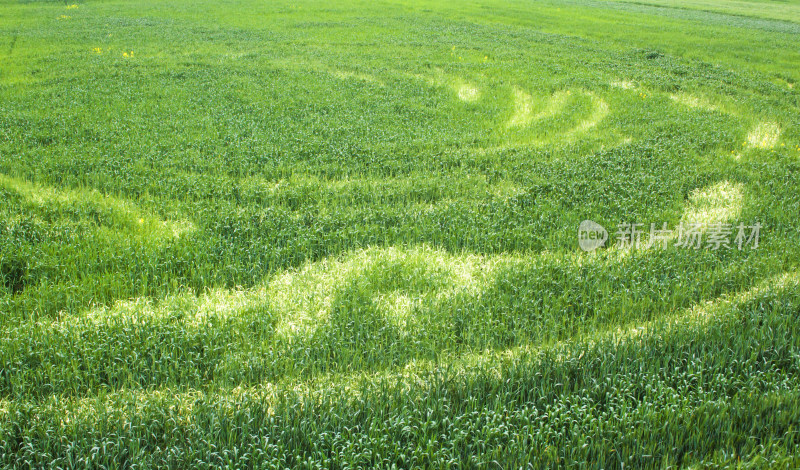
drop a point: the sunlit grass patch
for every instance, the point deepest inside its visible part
(465, 90)
(720, 202)
(564, 116)
(523, 109)
(468, 93)
(623, 84)
(192, 310)
(694, 101)
(108, 213)
(398, 283)
(764, 135)
(524, 112)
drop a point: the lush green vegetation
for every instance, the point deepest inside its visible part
(343, 234)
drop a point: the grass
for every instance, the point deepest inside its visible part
(342, 234)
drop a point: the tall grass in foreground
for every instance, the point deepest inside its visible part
(679, 392)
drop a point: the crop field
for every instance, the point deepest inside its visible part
(419, 234)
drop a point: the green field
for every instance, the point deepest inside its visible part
(344, 234)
